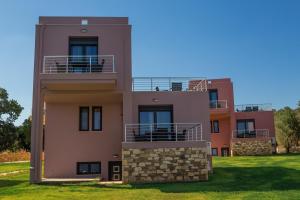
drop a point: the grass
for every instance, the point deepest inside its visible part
(265, 177)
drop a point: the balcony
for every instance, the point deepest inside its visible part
(165, 84)
(219, 107)
(253, 107)
(79, 72)
(170, 132)
(255, 133)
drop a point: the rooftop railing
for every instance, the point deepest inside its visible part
(169, 84)
(255, 133)
(253, 107)
(218, 104)
(78, 64)
(163, 132)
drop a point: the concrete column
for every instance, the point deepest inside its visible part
(37, 137)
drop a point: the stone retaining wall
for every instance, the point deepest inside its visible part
(250, 147)
(142, 165)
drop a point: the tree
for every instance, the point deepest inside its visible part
(10, 110)
(287, 128)
(24, 134)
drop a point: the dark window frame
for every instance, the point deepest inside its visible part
(246, 122)
(86, 39)
(213, 90)
(80, 118)
(212, 127)
(216, 148)
(93, 121)
(89, 167)
(156, 109)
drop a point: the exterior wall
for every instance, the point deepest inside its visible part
(251, 147)
(165, 162)
(188, 107)
(226, 117)
(65, 144)
(223, 138)
(263, 120)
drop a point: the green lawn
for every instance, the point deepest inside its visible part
(266, 177)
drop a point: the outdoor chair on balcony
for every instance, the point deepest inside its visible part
(255, 108)
(176, 86)
(248, 109)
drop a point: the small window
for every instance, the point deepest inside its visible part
(97, 118)
(214, 126)
(214, 151)
(88, 168)
(84, 118)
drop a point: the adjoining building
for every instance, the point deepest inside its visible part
(91, 118)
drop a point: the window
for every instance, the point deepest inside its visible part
(97, 118)
(214, 151)
(88, 168)
(214, 126)
(84, 118)
(245, 127)
(160, 116)
(213, 98)
(83, 52)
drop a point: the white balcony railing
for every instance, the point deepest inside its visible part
(163, 132)
(256, 133)
(253, 107)
(78, 64)
(218, 104)
(169, 84)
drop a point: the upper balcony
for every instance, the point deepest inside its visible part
(253, 107)
(169, 84)
(218, 107)
(253, 133)
(79, 72)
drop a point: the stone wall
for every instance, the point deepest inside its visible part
(142, 165)
(250, 147)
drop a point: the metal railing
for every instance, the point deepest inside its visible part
(169, 84)
(218, 104)
(163, 132)
(255, 133)
(78, 64)
(253, 107)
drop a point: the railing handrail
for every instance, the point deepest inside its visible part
(175, 84)
(261, 107)
(267, 131)
(54, 64)
(219, 101)
(190, 132)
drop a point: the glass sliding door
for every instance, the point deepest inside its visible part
(246, 128)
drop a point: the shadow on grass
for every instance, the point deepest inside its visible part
(10, 183)
(227, 179)
(232, 179)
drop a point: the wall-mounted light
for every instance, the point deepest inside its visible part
(83, 30)
(116, 155)
(155, 100)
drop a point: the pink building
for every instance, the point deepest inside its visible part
(92, 119)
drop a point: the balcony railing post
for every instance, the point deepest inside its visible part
(196, 133)
(176, 129)
(151, 84)
(151, 129)
(90, 64)
(125, 131)
(67, 65)
(113, 63)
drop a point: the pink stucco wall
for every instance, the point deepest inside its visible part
(65, 144)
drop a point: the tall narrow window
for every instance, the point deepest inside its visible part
(84, 118)
(97, 118)
(213, 98)
(214, 124)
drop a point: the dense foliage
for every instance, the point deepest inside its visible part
(287, 123)
(12, 137)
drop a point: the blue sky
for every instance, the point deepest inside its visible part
(256, 43)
